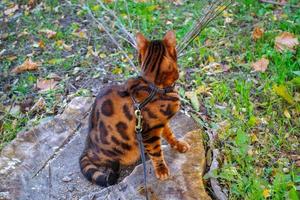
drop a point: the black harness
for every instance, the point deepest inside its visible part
(138, 106)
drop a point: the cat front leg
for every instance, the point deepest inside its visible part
(180, 145)
(152, 145)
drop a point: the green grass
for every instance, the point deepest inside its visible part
(258, 129)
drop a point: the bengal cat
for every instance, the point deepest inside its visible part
(111, 140)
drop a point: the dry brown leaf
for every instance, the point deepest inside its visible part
(32, 3)
(49, 33)
(11, 10)
(28, 65)
(286, 41)
(46, 84)
(41, 44)
(39, 105)
(257, 33)
(260, 65)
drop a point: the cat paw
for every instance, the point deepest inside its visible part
(181, 146)
(162, 172)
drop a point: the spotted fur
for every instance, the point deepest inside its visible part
(111, 140)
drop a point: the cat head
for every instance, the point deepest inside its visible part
(158, 59)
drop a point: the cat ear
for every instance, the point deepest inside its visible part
(142, 42)
(170, 39)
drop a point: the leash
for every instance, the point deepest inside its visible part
(139, 123)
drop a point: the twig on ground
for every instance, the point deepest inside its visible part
(112, 38)
(120, 25)
(279, 3)
(212, 11)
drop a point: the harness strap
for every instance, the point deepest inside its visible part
(140, 141)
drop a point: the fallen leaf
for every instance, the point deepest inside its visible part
(117, 70)
(286, 41)
(41, 44)
(11, 10)
(169, 22)
(46, 84)
(266, 193)
(54, 76)
(282, 91)
(202, 89)
(287, 114)
(49, 33)
(253, 138)
(23, 33)
(228, 20)
(32, 3)
(102, 55)
(81, 34)
(67, 47)
(28, 65)
(257, 33)
(90, 51)
(62, 45)
(260, 65)
(211, 59)
(39, 105)
(12, 58)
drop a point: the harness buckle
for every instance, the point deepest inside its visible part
(139, 117)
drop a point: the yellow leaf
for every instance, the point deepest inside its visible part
(59, 43)
(260, 65)
(130, 56)
(28, 65)
(282, 91)
(257, 33)
(287, 114)
(227, 14)
(96, 8)
(102, 55)
(81, 34)
(253, 138)
(286, 41)
(211, 59)
(117, 70)
(266, 193)
(202, 89)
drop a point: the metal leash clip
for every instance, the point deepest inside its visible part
(138, 115)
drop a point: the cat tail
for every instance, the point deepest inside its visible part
(102, 176)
